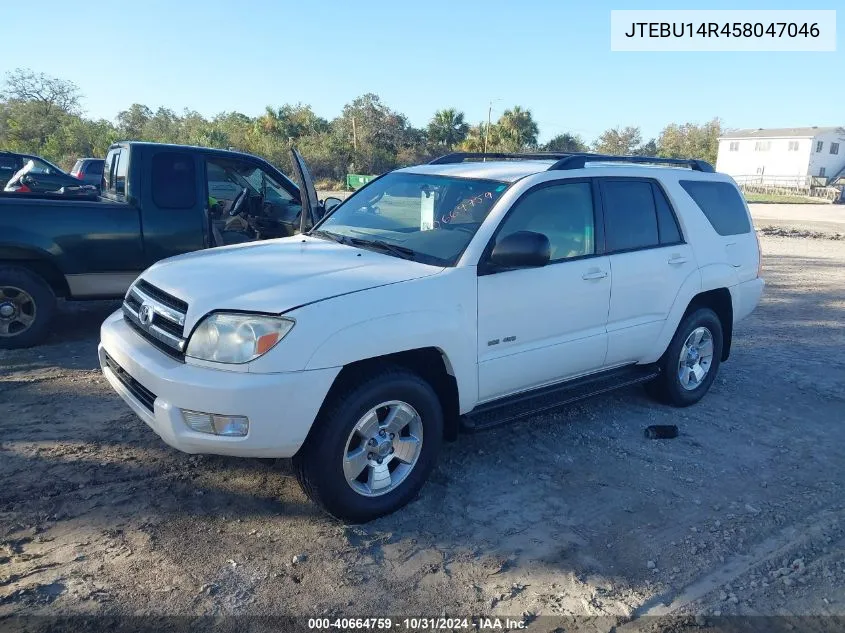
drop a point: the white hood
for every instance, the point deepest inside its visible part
(276, 275)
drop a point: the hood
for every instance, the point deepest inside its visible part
(276, 275)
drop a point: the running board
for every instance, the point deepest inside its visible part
(522, 405)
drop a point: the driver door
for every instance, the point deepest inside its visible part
(538, 326)
(246, 202)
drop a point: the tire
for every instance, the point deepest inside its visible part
(27, 305)
(669, 386)
(320, 463)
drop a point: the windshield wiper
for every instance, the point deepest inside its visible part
(340, 239)
(394, 249)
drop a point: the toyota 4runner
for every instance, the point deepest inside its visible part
(464, 293)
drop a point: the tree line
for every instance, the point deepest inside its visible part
(42, 115)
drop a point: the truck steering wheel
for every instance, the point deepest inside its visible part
(238, 202)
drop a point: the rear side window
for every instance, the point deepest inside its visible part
(94, 167)
(721, 203)
(108, 170)
(173, 181)
(630, 216)
(77, 167)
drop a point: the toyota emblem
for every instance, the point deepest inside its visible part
(145, 314)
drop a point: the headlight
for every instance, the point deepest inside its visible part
(236, 338)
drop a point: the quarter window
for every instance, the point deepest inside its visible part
(173, 181)
(721, 203)
(563, 213)
(630, 215)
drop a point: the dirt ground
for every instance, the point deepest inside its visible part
(568, 514)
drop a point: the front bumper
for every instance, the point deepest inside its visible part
(281, 407)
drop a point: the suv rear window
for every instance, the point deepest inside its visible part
(721, 203)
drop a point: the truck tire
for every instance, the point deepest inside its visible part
(27, 304)
(372, 447)
(691, 362)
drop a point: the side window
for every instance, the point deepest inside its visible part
(630, 217)
(228, 178)
(108, 171)
(721, 203)
(667, 225)
(563, 213)
(120, 172)
(173, 181)
(94, 168)
(40, 167)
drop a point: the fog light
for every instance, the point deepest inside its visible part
(226, 425)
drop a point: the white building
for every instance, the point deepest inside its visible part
(789, 157)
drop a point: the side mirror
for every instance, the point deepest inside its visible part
(330, 203)
(523, 249)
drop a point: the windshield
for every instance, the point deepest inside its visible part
(430, 219)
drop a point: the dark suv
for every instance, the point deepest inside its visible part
(89, 171)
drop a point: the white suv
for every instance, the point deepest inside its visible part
(458, 294)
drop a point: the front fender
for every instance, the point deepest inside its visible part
(404, 331)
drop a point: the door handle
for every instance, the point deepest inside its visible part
(594, 274)
(678, 260)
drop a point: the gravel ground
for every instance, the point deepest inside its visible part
(568, 514)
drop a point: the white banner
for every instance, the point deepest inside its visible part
(737, 31)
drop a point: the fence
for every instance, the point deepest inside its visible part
(802, 185)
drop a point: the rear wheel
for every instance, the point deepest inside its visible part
(691, 361)
(372, 446)
(27, 305)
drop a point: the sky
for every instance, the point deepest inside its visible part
(552, 57)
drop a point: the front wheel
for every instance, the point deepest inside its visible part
(691, 361)
(372, 447)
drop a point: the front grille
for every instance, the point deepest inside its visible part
(139, 391)
(157, 316)
(163, 297)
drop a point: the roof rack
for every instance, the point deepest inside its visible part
(578, 161)
(459, 157)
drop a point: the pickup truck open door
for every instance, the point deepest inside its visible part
(312, 210)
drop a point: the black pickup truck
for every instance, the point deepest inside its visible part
(156, 201)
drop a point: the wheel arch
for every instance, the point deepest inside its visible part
(37, 262)
(719, 300)
(430, 363)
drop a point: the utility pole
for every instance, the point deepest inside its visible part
(487, 133)
(354, 136)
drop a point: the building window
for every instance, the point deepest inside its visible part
(834, 148)
(762, 146)
(793, 146)
(821, 172)
(734, 146)
(819, 146)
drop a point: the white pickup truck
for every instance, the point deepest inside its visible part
(457, 294)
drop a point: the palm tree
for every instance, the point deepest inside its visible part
(447, 128)
(518, 129)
